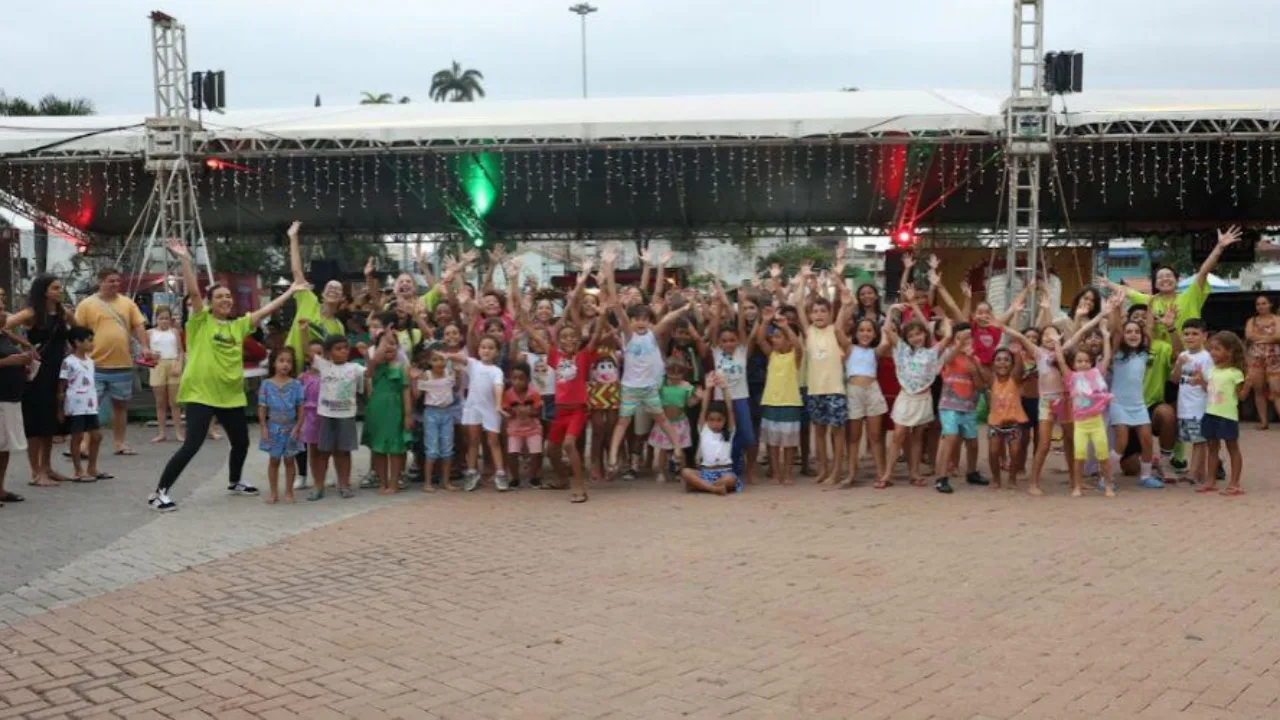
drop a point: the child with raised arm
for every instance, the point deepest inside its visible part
(963, 378)
(730, 357)
(280, 399)
(1087, 389)
(1007, 419)
(1193, 363)
(917, 365)
(1221, 424)
(642, 366)
(780, 405)
(828, 406)
(437, 386)
(714, 473)
(388, 418)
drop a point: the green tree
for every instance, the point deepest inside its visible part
(47, 105)
(368, 98)
(453, 84)
(791, 257)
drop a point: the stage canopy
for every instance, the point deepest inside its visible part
(869, 158)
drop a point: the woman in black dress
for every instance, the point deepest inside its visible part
(46, 321)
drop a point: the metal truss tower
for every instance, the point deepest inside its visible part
(1028, 142)
(172, 210)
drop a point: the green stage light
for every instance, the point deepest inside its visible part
(480, 176)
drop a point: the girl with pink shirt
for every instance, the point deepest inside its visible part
(1087, 389)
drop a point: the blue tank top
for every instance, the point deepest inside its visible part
(1126, 379)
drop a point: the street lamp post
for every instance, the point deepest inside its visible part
(582, 10)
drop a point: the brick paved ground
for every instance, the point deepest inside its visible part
(647, 603)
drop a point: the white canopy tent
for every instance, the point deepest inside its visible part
(953, 113)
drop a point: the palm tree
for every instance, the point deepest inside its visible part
(456, 85)
(381, 99)
(48, 105)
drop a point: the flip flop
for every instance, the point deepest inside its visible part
(125, 451)
(883, 485)
(578, 498)
(104, 476)
(84, 479)
(1231, 492)
(11, 497)
(1206, 489)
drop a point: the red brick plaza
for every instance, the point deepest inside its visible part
(649, 603)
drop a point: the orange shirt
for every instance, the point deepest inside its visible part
(1006, 403)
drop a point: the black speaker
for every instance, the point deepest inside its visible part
(1063, 72)
(209, 90)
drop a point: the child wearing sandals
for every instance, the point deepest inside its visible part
(963, 377)
(780, 406)
(714, 473)
(1007, 418)
(341, 382)
(917, 365)
(1087, 388)
(310, 379)
(280, 399)
(1053, 406)
(676, 395)
(1221, 424)
(78, 402)
(1193, 363)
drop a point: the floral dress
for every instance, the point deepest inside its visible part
(281, 402)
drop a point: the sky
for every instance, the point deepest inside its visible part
(281, 53)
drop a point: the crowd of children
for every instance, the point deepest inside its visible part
(690, 384)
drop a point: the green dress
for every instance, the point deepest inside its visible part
(384, 431)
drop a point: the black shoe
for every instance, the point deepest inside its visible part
(1221, 473)
(975, 478)
(943, 485)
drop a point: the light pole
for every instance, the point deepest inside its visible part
(582, 10)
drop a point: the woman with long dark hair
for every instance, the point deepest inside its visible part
(213, 378)
(1263, 333)
(46, 321)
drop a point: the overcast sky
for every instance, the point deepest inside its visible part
(280, 53)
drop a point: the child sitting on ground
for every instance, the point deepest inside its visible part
(714, 473)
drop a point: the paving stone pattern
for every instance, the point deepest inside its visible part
(648, 603)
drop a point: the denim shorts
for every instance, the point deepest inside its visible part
(958, 422)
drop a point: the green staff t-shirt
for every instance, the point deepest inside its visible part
(1187, 304)
(214, 373)
(319, 327)
(1159, 368)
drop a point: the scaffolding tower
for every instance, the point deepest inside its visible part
(1028, 142)
(172, 210)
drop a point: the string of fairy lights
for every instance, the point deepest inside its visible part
(617, 175)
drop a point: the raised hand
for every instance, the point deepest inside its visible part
(369, 266)
(1230, 237)
(645, 257)
(178, 248)
(1170, 316)
(470, 256)
(666, 257)
(935, 279)
(806, 268)
(293, 229)
(767, 313)
(608, 256)
(934, 262)
(908, 261)
(298, 287)
(587, 266)
(775, 270)
(966, 289)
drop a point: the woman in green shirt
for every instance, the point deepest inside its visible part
(320, 313)
(1188, 303)
(213, 379)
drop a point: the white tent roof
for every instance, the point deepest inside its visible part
(777, 116)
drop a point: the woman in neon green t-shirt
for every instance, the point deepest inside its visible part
(320, 313)
(1188, 303)
(213, 379)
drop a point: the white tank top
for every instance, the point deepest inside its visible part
(860, 363)
(642, 364)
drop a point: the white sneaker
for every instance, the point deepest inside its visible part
(160, 502)
(299, 483)
(500, 482)
(242, 489)
(470, 480)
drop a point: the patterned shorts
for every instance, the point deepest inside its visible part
(711, 477)
(829, 410)
(1189, 431)
(640, 398)
(1010, 433)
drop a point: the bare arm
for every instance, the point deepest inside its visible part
(295, 253)
(189, 272)
(266, 310)
(1225, 240)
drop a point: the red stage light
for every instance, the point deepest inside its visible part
(904, 238)
(214, 164)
